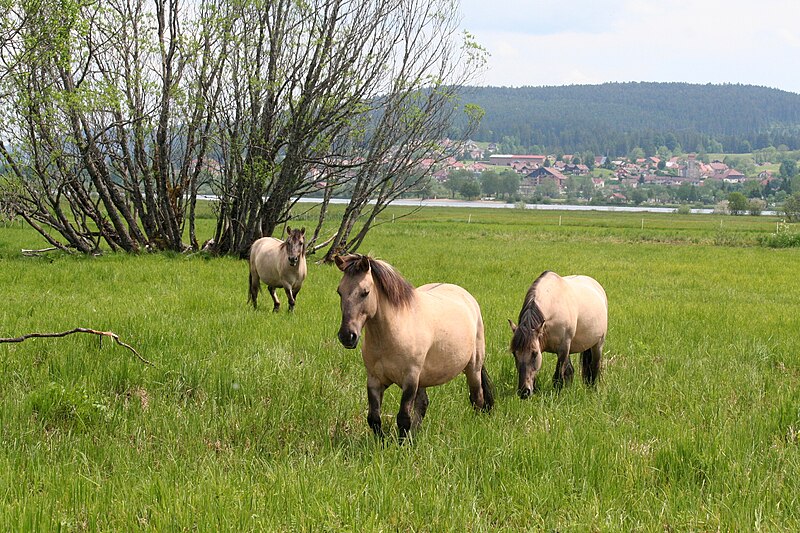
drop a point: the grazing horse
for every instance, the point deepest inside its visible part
(560, 315)
(278, 264)
(414, 338)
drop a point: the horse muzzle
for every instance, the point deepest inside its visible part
(524, 393)
(349, 339)
(293, 261)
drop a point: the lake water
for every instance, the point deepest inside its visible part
(502, 205)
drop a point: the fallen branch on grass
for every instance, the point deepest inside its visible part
(319, 246)
(35, 253)
(79, 330)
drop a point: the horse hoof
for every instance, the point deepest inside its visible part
(276, 309)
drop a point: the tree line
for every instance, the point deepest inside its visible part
(115, 114)
(614, 118)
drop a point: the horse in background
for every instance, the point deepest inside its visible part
(414, 338)
(561, 315)
(278, 264)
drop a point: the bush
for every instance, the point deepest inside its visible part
(756, 206)
(791, 208)
(684, 209)
(783, 237)
(737, 203)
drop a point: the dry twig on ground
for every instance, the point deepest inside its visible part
(102, 334)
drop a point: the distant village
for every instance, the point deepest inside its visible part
(646, 179)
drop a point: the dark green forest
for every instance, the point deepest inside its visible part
(614, 118)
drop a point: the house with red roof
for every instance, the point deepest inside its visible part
(509, 159)
(538, 177)
(733, 176)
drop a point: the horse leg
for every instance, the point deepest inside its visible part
(480, 388)
(406, 406)
(475, 382)
(590, 361)
(488, 390)
(375, 391)
(255, 285)
(420, 406)
(276, 304)
(291, 296)
(586, 363)
(564, 370)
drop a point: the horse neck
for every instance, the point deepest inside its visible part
(389, 319)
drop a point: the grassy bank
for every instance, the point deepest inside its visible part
(256, 421)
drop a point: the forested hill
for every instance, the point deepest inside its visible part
(613, 118)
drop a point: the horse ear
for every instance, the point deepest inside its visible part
(363, 263)
(360, 262)
(513, 326)
(303, 230)
(288, 230)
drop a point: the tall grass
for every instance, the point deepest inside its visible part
(257, 421)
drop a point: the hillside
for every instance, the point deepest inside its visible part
(613, 118)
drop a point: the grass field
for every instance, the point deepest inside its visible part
(252, 421)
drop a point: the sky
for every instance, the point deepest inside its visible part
(565, 42)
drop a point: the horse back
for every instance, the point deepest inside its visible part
(590, 294)
(439, 298)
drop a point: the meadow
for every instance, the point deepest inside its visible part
(254, 421)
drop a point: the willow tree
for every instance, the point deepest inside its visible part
(326, 92)
(115, 112)
(418, 122)
(107, 118)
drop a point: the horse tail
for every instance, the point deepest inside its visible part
(488, 390)
(590, 367)
(586, 362)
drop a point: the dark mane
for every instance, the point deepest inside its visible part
(530, 319)
(397, 290)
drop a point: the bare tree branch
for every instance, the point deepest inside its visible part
(102, 334)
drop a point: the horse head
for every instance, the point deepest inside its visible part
(526, 347)
(357, 295)
(295, 244)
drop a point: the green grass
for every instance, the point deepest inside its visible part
(256, 421)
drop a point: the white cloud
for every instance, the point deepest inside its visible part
(696, 41)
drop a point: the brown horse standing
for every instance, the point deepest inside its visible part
(561, 315)
(278, 264)
(415, 338)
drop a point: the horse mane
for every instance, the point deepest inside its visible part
(530, 319)
(397, 290)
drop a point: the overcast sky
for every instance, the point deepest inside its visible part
(563, 42)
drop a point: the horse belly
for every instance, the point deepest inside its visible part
(443, 363)
(392, 364)
(452, 349)
(588, 335)
(388, 371)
